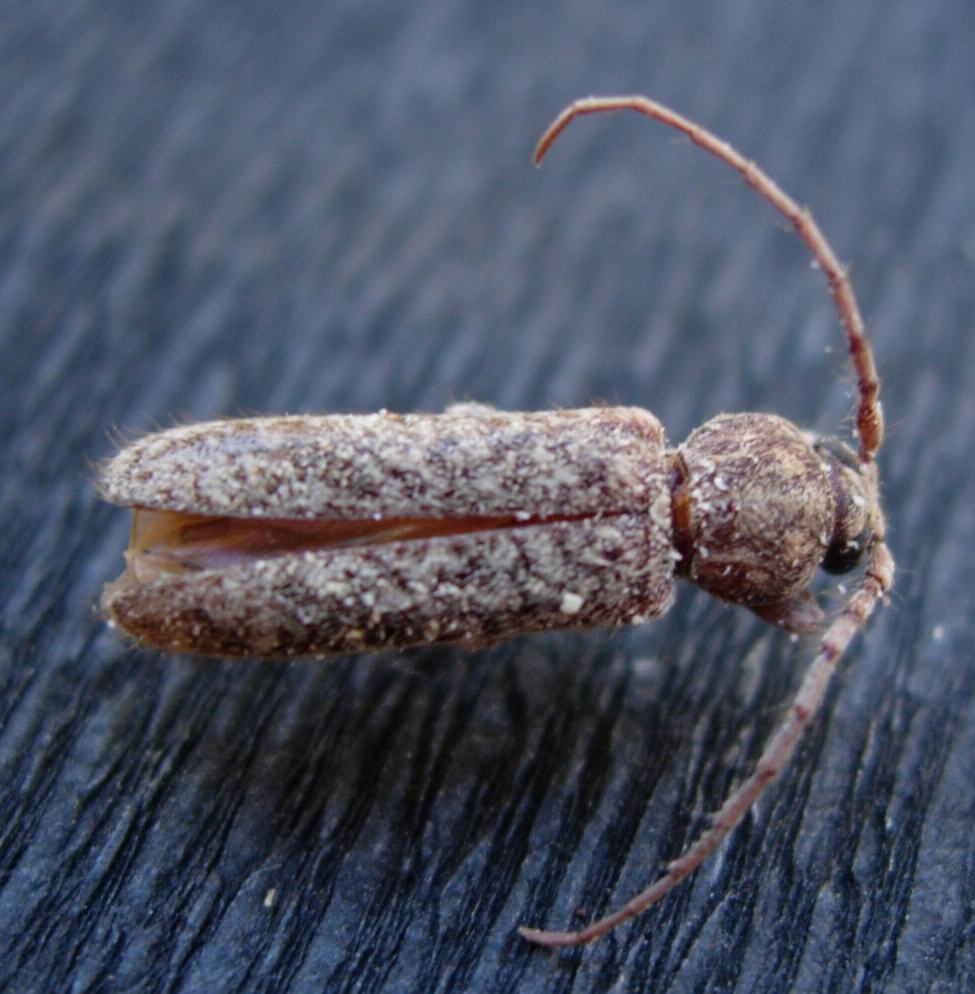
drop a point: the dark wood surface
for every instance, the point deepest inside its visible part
(214, 208)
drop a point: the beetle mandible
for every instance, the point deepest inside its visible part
(313, 535)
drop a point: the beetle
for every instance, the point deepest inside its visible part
(311, 535)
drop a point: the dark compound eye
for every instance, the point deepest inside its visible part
(841, 557)
(845, 550)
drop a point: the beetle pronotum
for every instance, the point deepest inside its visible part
(306, 536)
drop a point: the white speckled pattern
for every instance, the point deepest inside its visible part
(603, 468)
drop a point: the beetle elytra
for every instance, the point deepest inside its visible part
(312, 535)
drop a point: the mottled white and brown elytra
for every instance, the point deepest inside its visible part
(313, 535)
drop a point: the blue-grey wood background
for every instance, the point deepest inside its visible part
(210, 207)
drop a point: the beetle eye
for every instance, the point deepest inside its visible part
(841, 557)
(851, 533)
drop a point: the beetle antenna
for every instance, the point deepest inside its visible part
(775, 756)
(869, 416)
(877, 577)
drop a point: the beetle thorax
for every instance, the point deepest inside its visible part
(756, 510)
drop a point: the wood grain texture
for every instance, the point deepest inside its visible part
(211, 209)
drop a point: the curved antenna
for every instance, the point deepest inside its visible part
(804, 707)
(869, 417)
(879, 572)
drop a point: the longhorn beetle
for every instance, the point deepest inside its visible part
(313, 535)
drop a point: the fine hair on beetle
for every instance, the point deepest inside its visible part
(312, 535)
